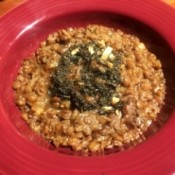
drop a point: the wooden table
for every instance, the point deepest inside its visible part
(6, 5)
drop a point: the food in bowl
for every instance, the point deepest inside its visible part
(90, 89)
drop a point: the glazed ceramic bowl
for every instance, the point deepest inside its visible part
(21, 31)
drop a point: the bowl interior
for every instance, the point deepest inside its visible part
(28, 40)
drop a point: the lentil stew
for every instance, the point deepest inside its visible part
(90, 89)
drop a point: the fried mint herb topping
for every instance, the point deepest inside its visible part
(88, 75)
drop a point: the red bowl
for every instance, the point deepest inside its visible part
(22, 29)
